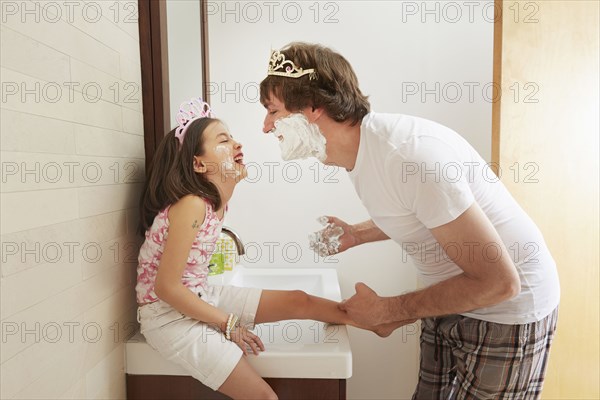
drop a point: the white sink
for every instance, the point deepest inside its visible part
(316, 281)
(293, 348)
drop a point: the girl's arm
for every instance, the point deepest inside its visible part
(185, 219)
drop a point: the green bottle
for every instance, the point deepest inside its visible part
(216, 265)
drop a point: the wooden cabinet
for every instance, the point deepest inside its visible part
(172, 387)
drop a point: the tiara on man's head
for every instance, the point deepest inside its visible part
(279, 66)
(190, 111)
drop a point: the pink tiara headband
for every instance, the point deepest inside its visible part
(190, 111)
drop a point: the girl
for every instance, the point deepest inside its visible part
(204, 328)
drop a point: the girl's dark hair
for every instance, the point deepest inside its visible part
(171, 175)
(335, 89)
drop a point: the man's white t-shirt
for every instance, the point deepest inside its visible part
(413, 175)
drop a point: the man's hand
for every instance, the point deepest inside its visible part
(337, 237)
(366, 308)
(348, 239)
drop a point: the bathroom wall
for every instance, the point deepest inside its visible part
(422, 58)
(72, 162)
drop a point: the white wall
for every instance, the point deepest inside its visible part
(394, 47)
(72, 163)
(183, 35)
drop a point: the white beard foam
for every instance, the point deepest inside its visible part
(301, 139)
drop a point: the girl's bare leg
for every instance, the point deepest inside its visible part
(277, 305)
(245, 383)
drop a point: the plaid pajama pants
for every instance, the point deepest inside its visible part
(466, 358)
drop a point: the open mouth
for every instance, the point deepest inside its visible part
(239, 159)
(279, 136)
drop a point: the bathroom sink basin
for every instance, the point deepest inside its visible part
(296, 348)
(316, 281)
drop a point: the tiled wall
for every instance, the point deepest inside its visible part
(72, 156)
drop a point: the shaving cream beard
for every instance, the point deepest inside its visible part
(301, 139)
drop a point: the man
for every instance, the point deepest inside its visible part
(489, 308)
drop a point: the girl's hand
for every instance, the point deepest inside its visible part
(244, 338)
(337, 237)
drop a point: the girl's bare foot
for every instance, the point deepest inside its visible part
(382, 330)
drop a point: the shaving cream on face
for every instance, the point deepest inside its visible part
(227, 164)
(300, 138)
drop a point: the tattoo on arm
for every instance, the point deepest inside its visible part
(195, 224)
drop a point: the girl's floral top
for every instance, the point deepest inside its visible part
(196, 271)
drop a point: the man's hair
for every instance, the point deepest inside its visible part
(335, 89)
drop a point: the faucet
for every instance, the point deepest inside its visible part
(238, 242)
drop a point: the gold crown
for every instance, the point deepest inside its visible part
(279, 66)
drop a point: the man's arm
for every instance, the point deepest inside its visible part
(489, 277)
(367, 232)
(357, 234)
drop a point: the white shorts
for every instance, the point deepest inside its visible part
(199, 348)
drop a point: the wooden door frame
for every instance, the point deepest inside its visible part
(155, 70)
(497, 79)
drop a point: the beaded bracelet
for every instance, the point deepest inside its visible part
(231, 323)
